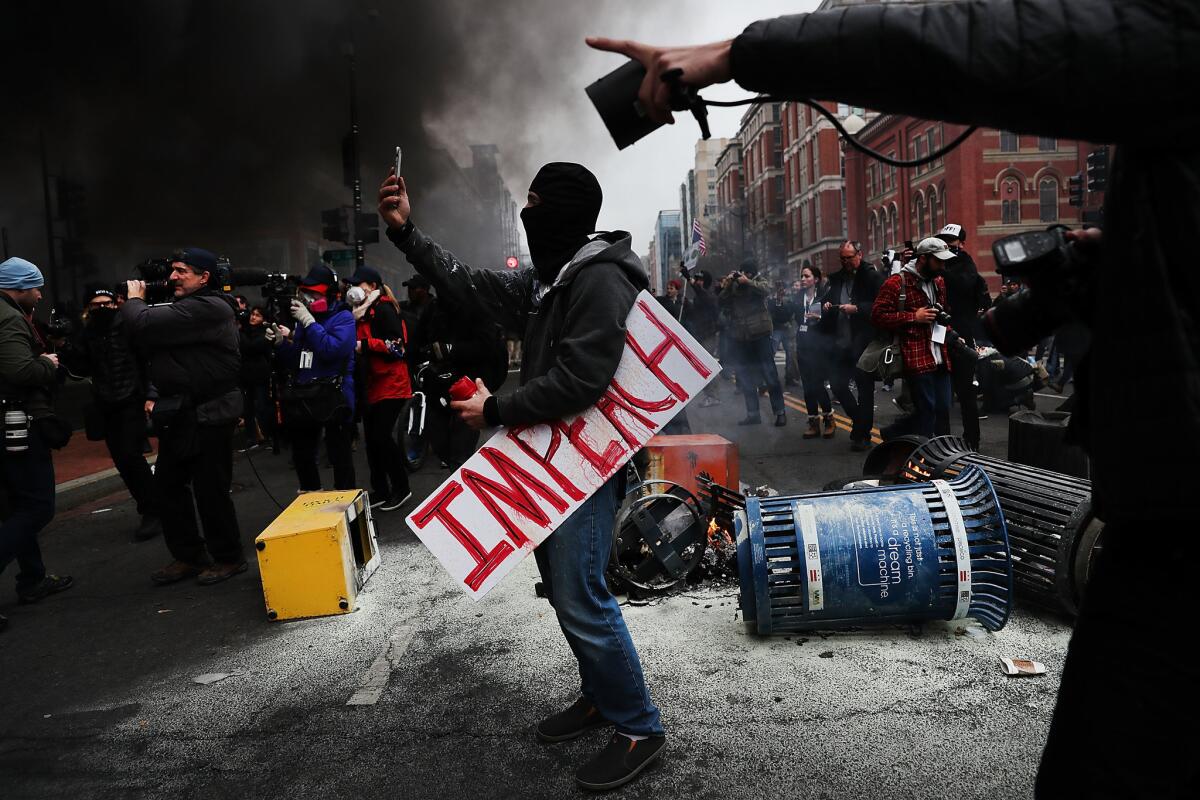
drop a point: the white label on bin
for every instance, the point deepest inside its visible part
(962, 553)
(806, 523)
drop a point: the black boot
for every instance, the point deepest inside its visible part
(619, 762)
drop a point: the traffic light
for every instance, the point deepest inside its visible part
(1075, 183)
(1097, 170)
(367, 228)
(335, 225)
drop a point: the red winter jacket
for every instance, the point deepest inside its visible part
(385, 368)
(916, 343)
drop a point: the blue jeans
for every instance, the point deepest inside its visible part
(572, 563)
(28, 480)
(931, 398)
(756, 367)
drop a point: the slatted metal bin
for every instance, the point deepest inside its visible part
(1052, 531)
(890, 554)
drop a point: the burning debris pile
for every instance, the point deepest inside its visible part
(667, 538)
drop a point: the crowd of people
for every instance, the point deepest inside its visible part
(189, 372)
(926, 299)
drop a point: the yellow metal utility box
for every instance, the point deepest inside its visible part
(316, 556)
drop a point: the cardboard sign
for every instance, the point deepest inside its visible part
(525, 481)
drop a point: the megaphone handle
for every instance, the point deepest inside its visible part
(687, 98)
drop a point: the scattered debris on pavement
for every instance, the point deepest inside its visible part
(1021, 667)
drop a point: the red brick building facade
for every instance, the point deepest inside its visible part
(995, 184)
(762, 167)
(812, 164)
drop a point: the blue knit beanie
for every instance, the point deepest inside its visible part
(17, 273)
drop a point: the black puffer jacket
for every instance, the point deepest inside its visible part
(192, 346)
(1085, 71)
(102, 351)
(574, 330)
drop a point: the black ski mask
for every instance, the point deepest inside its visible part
(559, 225)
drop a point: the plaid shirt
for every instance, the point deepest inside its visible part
(916, 343)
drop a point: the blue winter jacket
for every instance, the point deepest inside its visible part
(331, 341)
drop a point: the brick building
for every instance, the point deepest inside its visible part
(995, 184)
(761, 136)
(726, 245)
(815, 204)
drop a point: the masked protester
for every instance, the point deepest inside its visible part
(380, 350)
(103, 352)
(27, 373)
(319, 397)
(572, 306)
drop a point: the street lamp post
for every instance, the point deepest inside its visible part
(360, 247)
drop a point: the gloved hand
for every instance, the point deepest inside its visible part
(303, 316)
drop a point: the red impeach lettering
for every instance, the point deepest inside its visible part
(564, 483)
(654, 360)
(513, 495)
(486, 561)
(603, 464)
(617, 396)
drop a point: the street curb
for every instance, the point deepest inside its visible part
(86, 488)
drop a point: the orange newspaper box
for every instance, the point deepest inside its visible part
(681, 458)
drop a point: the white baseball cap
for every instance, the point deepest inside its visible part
(933, 246)
(952, 231)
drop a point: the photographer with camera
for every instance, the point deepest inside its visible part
(192, 348)
(318, 356)
(967, 297)
(1087, 76)
(572, 305)
(911, 304)
(744, 296)
(380, 347)
(102, 351)
(27, 377)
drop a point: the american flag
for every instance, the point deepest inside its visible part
(698, 237)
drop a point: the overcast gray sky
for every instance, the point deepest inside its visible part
(560, 123)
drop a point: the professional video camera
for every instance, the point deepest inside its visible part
(278, 289)
(1037, 253)
(156, 272)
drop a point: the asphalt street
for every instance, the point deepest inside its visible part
(98, 698)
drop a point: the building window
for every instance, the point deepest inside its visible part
(1008, 142)
(945, 202)
(779, 194)
(933, 211)
(1047, 144)
(933, 140)
(1010, 202)
(894, 224)
(919, 215)
(1048, 200)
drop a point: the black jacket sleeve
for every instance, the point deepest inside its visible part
(588, 351)
(505, 296)
(1002, 63)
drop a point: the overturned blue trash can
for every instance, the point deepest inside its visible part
(892, 554)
